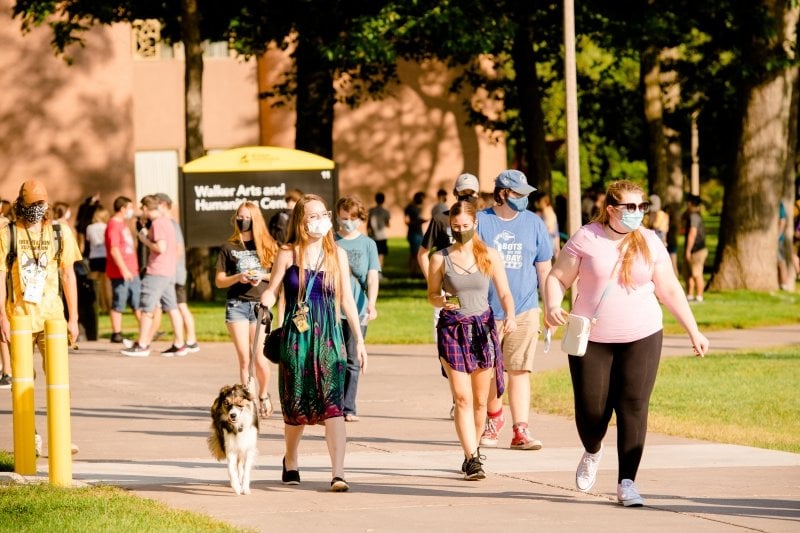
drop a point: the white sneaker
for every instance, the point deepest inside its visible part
(628, 495)
(586, 474)
(37, 444)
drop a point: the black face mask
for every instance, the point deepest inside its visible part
(244, 224)
(463, 236)
(467, 198)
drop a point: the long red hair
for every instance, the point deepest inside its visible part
(266, 247)
(479, 248)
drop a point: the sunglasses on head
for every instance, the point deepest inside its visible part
(644, 207)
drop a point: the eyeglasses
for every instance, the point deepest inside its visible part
(318, 216)
(644, 207)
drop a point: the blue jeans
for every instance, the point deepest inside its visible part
(353, 368)
(241, 311)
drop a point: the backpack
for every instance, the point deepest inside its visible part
(11, 256)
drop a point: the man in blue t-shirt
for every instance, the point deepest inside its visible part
(522, 240)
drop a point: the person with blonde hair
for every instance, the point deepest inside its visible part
(623, 271)
(243, 266)
(467, 342)
(313, 273)
(96, 241)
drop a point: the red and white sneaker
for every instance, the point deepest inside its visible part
(522, 438)
(491, 431)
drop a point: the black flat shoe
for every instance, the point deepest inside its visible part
(339, 485)
(290, 477)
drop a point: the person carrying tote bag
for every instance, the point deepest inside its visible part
(618, 371)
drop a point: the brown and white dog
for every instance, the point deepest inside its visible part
(234, 434)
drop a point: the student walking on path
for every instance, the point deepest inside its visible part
(312, 271)
(362, 255)
(623, 271)
(243, 267)
(523, 242)
(469, 349)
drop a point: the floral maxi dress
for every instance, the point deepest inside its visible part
(312, 363)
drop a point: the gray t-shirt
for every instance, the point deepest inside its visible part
(471, 286)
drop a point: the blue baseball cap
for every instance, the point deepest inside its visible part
(514, 180)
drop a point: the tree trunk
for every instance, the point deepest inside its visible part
(197, 259)
(747, 250)
(535, 156)
(657, 173)
(315, 99)
(664, 173)
(789, 186)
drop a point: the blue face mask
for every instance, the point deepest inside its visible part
(349, 226)
(517, 204)
(632, 220)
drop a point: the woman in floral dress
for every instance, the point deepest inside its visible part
(314, 274)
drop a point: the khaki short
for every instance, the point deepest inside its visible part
(698, 261)
(519, 347)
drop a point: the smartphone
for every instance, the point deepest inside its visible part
(452, 299)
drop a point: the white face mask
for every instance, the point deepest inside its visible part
(318, 228)
(129, 214)
(349, 226)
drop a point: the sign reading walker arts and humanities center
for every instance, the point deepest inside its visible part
(213, 187)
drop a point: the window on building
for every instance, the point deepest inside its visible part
(156, 171)
(148, 45)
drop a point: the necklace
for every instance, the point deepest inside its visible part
(615, 231)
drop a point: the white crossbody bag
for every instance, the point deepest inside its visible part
(576, 331)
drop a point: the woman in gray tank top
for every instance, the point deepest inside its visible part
(469, 350)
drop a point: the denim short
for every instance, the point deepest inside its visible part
(180, 293)
(241, 311)
(125, 293)
(157, 289)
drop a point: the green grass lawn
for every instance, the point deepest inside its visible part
(41, 507)
(748, 398)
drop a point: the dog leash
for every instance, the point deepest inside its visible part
(251, 380)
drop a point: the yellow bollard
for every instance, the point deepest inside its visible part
(23, 408)
(59, 435)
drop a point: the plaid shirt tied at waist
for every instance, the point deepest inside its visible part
(470, 342)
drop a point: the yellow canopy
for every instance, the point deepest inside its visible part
(258, 158)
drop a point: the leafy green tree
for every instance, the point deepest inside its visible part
(328, 40)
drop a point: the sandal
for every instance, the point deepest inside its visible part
(265, 408)
(339, 485)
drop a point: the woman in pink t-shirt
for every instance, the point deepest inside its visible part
(629, 263)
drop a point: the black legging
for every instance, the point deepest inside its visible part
(616, 377)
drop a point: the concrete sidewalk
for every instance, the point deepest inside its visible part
(142, 424)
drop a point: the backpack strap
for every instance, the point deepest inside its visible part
(11, 256)
(59, 241)
(59, 236)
